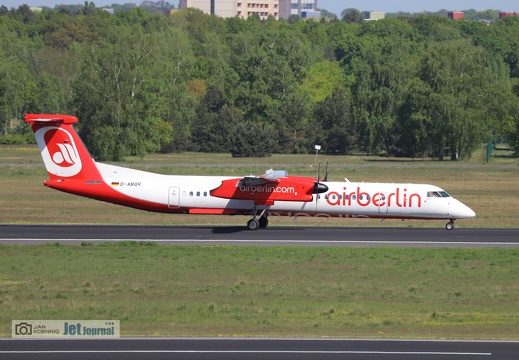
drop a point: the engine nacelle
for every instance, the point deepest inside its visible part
(265, 192)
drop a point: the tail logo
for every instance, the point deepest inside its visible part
(59, 151)
(66, 156)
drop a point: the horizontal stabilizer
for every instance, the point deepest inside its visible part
(50, 118)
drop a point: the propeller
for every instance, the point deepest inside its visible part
(319, 187)
(326, 172)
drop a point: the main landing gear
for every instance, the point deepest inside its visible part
(450, 225)
(261, 222)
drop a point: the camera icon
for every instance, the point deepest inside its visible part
(23, 328)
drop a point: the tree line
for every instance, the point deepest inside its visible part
(140, 82)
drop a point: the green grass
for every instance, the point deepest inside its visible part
(266, 291)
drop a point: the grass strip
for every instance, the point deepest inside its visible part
(266, 291)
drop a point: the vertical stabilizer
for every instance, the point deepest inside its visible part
(64, 154)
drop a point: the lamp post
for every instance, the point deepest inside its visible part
(317, 148)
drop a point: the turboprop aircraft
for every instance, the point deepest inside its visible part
(71, 169)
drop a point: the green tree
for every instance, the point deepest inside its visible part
(507, 35)
(352, 16)
(269, 65)
(328, 14)
(462, 107)
(253, 139)
(435, 28)
(50, 97)
(214, 122)
(346, 43)
(18, 92)
(332, 125)
(409, 136)
(292, 125)
(321, 79)
(122, 93)
(381, 77)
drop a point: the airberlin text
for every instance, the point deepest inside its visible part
(398, 198)
(267, 189)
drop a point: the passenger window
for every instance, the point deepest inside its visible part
(191, 193)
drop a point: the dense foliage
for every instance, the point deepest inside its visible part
(141, 82)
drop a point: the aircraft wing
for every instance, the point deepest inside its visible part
(267, 188)
(270, 177)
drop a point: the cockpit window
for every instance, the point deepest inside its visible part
(442, 194)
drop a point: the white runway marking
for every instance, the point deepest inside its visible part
(351, 352)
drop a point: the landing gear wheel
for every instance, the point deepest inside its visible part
(253, 224)
(263, 222)
(450, 225)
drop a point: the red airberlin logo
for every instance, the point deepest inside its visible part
(59, 151)
(398, 198)
(65, 156)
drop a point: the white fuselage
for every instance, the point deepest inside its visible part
(191, 194)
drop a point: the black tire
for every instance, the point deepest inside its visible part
(263, 222)
(450, 225)
(253, 224)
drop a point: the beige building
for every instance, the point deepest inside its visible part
(232, 8)
(374, 15)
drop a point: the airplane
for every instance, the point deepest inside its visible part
(71, 169)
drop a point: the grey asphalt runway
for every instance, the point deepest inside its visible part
(253, 349)
(272, 236)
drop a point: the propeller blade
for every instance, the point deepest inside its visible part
(326, 172)
(319, 187)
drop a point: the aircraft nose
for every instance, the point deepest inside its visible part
(464, 212)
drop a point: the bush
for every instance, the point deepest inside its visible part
(18, 139)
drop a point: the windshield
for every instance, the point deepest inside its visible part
(442, 194)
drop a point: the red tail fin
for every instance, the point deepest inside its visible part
(63, 152)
